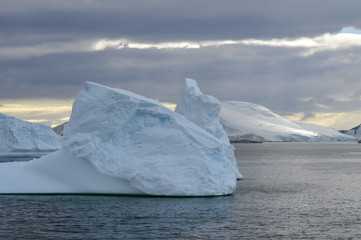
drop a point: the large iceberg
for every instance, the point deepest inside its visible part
(203, 110)
(21, 137)
(244, 121)
(120, 142)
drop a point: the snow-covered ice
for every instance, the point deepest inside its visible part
(203, 110)
(120, 142)
(253, 122)
(59, 172)
(18, 136)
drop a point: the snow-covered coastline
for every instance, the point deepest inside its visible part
(244, 121)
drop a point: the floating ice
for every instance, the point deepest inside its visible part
(203, 110)
(20, 136)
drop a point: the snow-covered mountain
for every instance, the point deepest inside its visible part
(20, 136)
(326, 134)
(355, 132)
(244, 121)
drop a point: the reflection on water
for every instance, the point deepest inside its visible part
(290, 190)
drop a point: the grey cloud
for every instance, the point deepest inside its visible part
(179, 20)
(307, 116)
(276, 78)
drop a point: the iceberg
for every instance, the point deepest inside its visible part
(119, 142)
(18, 137)
(244, 121)
(203, 110)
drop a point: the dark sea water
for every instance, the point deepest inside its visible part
(289, 191)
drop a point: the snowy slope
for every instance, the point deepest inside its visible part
(355, 132)
(248, 121)
(326, 133)
(20, 136)
(120, 142)
(203, 110)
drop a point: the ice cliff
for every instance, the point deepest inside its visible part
(120, 142)
(244, 121)
(203, 110)
(20, 136)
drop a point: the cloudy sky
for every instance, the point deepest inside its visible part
(301, 58)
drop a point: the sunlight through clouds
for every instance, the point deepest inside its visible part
(46, 111)
(336, 120)
(326, 42)
(347, 38)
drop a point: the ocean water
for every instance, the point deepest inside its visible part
(289, 191)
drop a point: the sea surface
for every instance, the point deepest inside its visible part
(289, 191)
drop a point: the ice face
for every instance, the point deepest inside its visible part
(154, 149)
(203, 110)
(21, 136)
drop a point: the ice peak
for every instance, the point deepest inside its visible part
(203, 110)
(192, 86)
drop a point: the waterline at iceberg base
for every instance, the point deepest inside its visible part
(118, 142)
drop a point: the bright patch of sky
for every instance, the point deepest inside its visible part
(351, 30)
(337, 121)
(46, 111)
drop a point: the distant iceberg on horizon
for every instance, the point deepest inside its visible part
(118, 142)
(244, 121)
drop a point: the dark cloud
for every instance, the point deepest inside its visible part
(156, 20)
(307, 116)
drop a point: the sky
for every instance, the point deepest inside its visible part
(301, 58)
